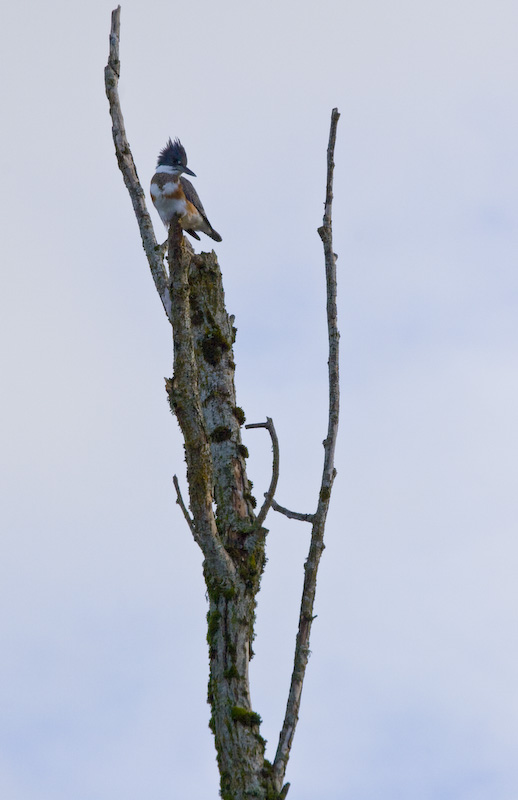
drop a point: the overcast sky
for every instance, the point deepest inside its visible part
(411, 687)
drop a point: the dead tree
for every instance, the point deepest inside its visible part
(232, 539)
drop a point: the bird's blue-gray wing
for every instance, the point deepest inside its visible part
(192, 196)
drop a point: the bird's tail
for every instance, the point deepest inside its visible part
(214, 235)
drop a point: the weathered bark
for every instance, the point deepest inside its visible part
(202, 395)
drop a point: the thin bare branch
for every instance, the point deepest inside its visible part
(127, 167)
(179, 500)
(328, 474)
(275, 468)
(292, 514)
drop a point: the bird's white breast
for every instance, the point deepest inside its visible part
(168, 199)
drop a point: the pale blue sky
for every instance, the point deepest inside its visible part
(411, 687)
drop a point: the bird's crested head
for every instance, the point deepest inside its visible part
(173, 155)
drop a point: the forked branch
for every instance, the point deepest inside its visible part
(268, 497)
(224, 542)
(328, 475)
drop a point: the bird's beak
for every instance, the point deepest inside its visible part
(189, 171)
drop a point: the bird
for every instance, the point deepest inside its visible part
(172, 194)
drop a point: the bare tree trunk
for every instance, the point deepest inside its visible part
(222, 518)
(202, 395)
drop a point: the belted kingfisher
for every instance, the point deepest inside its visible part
(172, 194)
